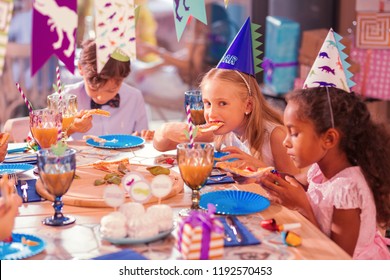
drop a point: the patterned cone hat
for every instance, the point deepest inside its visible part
(330, 68)
(242, 54)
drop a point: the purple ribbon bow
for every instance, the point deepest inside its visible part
(269, 66)
(207, 221)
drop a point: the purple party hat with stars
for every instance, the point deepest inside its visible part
(242, 54)
(330, 68)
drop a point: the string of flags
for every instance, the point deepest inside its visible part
(54, 27)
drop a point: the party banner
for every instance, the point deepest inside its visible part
(54, 32)
(183, 9)
(115, 29)
(6, 7)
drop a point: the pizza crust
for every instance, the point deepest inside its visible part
(210, 126)
(230, 167)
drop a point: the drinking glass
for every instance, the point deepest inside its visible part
(195, 163)
(44, 126)
(194, 99)
(57, 173)
(67, 105)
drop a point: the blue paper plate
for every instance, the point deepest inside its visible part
(122, 241)
(218, 155)
(117, 141)
(232, 202)
(30, 158)
(8, 168)
(16, 250)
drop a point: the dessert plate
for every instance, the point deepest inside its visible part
(117, 141)
(123, 241)
(17, 249)
(233, 202)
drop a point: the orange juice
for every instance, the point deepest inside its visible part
(195, 176)
(66, 122)
(57, 184)
(45, 136)
(197, 117)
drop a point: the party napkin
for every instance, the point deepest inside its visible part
(125, 254)
(247, 237)
(32, 194)
(219, 179)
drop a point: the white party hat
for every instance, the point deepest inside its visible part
(330, 68)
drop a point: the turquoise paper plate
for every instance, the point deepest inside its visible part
(233, 202)
(8, 168)
(117, 141)
(16, 250)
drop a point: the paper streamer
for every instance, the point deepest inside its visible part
(6, 7)
(190, 130)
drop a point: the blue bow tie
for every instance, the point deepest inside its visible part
(114, 102)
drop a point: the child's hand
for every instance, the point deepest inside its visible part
(235, 152)
(82, 122)
(287, 191)
(146, 134)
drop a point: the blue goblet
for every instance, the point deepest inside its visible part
(57, 173)
(194, 99)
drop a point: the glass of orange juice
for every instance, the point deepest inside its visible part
(45, 125)
(67, 105)
(194, 99)
(195, 163)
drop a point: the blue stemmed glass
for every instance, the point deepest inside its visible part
(194, 99)
(57, 173)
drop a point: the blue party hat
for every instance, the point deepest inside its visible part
(242, 54)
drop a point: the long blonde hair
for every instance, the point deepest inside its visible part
(262, 112)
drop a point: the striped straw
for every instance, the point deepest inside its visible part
(58, 80)
(189, 122)
(28, 104)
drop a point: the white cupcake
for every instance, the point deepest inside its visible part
(132, 209)
(163, 215)
(113, 225)
(142, 226)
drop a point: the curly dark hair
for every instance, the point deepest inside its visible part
(113, 69)
(366, 143)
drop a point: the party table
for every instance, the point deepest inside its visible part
(82, 240)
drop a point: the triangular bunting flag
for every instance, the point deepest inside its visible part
(182, 10)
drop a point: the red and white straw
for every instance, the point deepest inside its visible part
(58, 80)
(30, 109)
(190, 130)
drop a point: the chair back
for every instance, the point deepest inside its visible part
(17, 69)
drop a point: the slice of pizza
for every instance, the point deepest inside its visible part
(3, 138)
(99, 112)
(97, 139)
(117, 166)
(242, 171)
(211, 126)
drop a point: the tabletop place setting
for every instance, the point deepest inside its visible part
(189, 199)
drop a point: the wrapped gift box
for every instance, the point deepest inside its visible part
(372, 30)
(281, 53)
(200, 237)
(373, 79)
(372, 5)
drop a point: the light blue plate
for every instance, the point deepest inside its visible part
(232, 202)
(117, 141)
(16, 250)
(122, 241)
(9, 168)
(218, 155)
